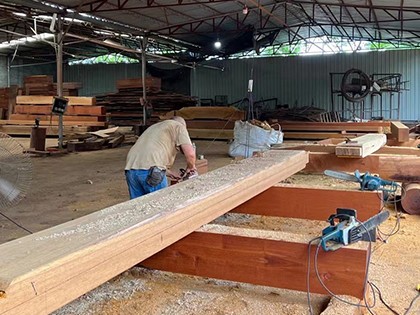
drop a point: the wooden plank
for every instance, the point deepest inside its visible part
(61, 263)
(361, 146)
(51, 131)
(263, 260)
(317, 135)
(54, 118)
(330, 148)
(208, 112)
(210, 124)
(210, 134)
(48, 100)
(53, 123)
(311, 203)
(399, 131)
(71, 110)
(404, 168)
(372, 126)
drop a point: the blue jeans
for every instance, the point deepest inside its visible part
(137, 186)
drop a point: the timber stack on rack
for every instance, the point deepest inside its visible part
(209, 122)
(124, 109)
(81, 115)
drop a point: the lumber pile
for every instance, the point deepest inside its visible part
(81, 112)
(96, 140)
(61, 263)
(7, 96)
(209, 122)
(44, 85)
(124, 109)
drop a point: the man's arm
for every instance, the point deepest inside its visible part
(189, 154)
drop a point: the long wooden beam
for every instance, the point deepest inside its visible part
(404, 168)
(330, 148)
(372, 126)
(311, 203)
(70, 110)
(264, 259)
(43, 271)
(48, 100)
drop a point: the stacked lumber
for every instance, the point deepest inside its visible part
(38, 85)
(61, 263)
(7, 96)
(70, 88)
(81, 112)
(209, 122)
(323, 130)
(44, 85)
(124, 109)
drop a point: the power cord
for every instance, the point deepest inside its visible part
(17, 224)
(366, 282)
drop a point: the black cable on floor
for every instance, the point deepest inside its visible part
(17, 224)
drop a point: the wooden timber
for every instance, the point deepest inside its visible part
(371, 126)
(311, 203)
(399, 131)
(54, 118)
(207, 112)
(317, 135)
(71, 110)
(211, 134)
(263, 258)
(361, 146)
(19, 130)
(59, 264)
(53, 123)
(48, 100)
(404, 168)
(330, 148)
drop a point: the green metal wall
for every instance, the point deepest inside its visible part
(304, 80)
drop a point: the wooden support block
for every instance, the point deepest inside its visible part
(403, 168)
(267, 260)
(59, 264)
(48, 100)
(70, 110)
(210, 134)
(361, 146)
(399, 131)
(311, 203)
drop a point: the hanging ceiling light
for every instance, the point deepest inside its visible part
(245, 10)
(217, 44)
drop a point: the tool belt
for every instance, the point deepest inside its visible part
(155, 176)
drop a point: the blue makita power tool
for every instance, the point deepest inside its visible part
(366, 181)
(345, 229)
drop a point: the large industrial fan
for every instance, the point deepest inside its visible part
(15, 172)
